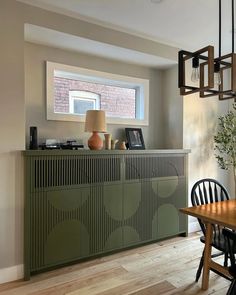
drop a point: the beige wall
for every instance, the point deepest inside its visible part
(35, 89)
(12, 80)
(200, 125)
(12, 131)
(200, 122)
(190, 123)
(13, 16)
(173, 109)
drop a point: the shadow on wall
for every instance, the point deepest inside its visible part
(200, 124)
(12, 209)
(199, 136)
(19, 208)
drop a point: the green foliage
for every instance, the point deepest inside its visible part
(225, 141)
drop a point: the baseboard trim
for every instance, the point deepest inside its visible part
(193, 227)
(12, 273)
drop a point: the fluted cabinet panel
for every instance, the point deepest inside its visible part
(83, 204)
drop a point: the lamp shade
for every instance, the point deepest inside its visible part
(95, 121)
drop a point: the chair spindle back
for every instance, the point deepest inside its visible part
(207, 191)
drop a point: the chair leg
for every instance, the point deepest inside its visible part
(198, 274)
(232, 288)
(226, 259)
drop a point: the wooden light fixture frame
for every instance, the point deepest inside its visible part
(208, 61)
(222, 93)
(226, 62)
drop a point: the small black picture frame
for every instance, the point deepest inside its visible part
(134, 138)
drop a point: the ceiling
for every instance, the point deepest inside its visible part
(61, 40)
(186, 24)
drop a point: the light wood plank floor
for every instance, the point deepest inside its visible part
(166, 268)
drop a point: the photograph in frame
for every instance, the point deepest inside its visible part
(134, 138)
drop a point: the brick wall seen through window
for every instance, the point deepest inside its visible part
(115, 101)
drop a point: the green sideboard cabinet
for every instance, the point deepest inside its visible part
(80, 204)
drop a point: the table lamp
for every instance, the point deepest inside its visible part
(95, 122)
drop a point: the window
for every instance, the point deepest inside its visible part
(71, 91)
(81, 101)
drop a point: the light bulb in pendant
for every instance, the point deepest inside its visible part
(195, 69)
(217, 79)
(217, 76)
(195, 75)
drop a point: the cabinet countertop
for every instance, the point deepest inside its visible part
(103, 152)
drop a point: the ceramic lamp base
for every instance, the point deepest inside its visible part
(95, 142)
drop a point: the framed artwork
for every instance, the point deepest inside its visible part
(134, 138)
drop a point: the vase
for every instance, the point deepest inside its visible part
(113, 143)
(122, 146)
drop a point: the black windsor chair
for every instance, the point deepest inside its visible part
(231, 243)
(207, 191)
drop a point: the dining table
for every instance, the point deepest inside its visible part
(222, 213)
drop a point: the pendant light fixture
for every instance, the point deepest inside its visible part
(209, 74)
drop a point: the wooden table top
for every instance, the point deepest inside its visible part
(222, 213)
